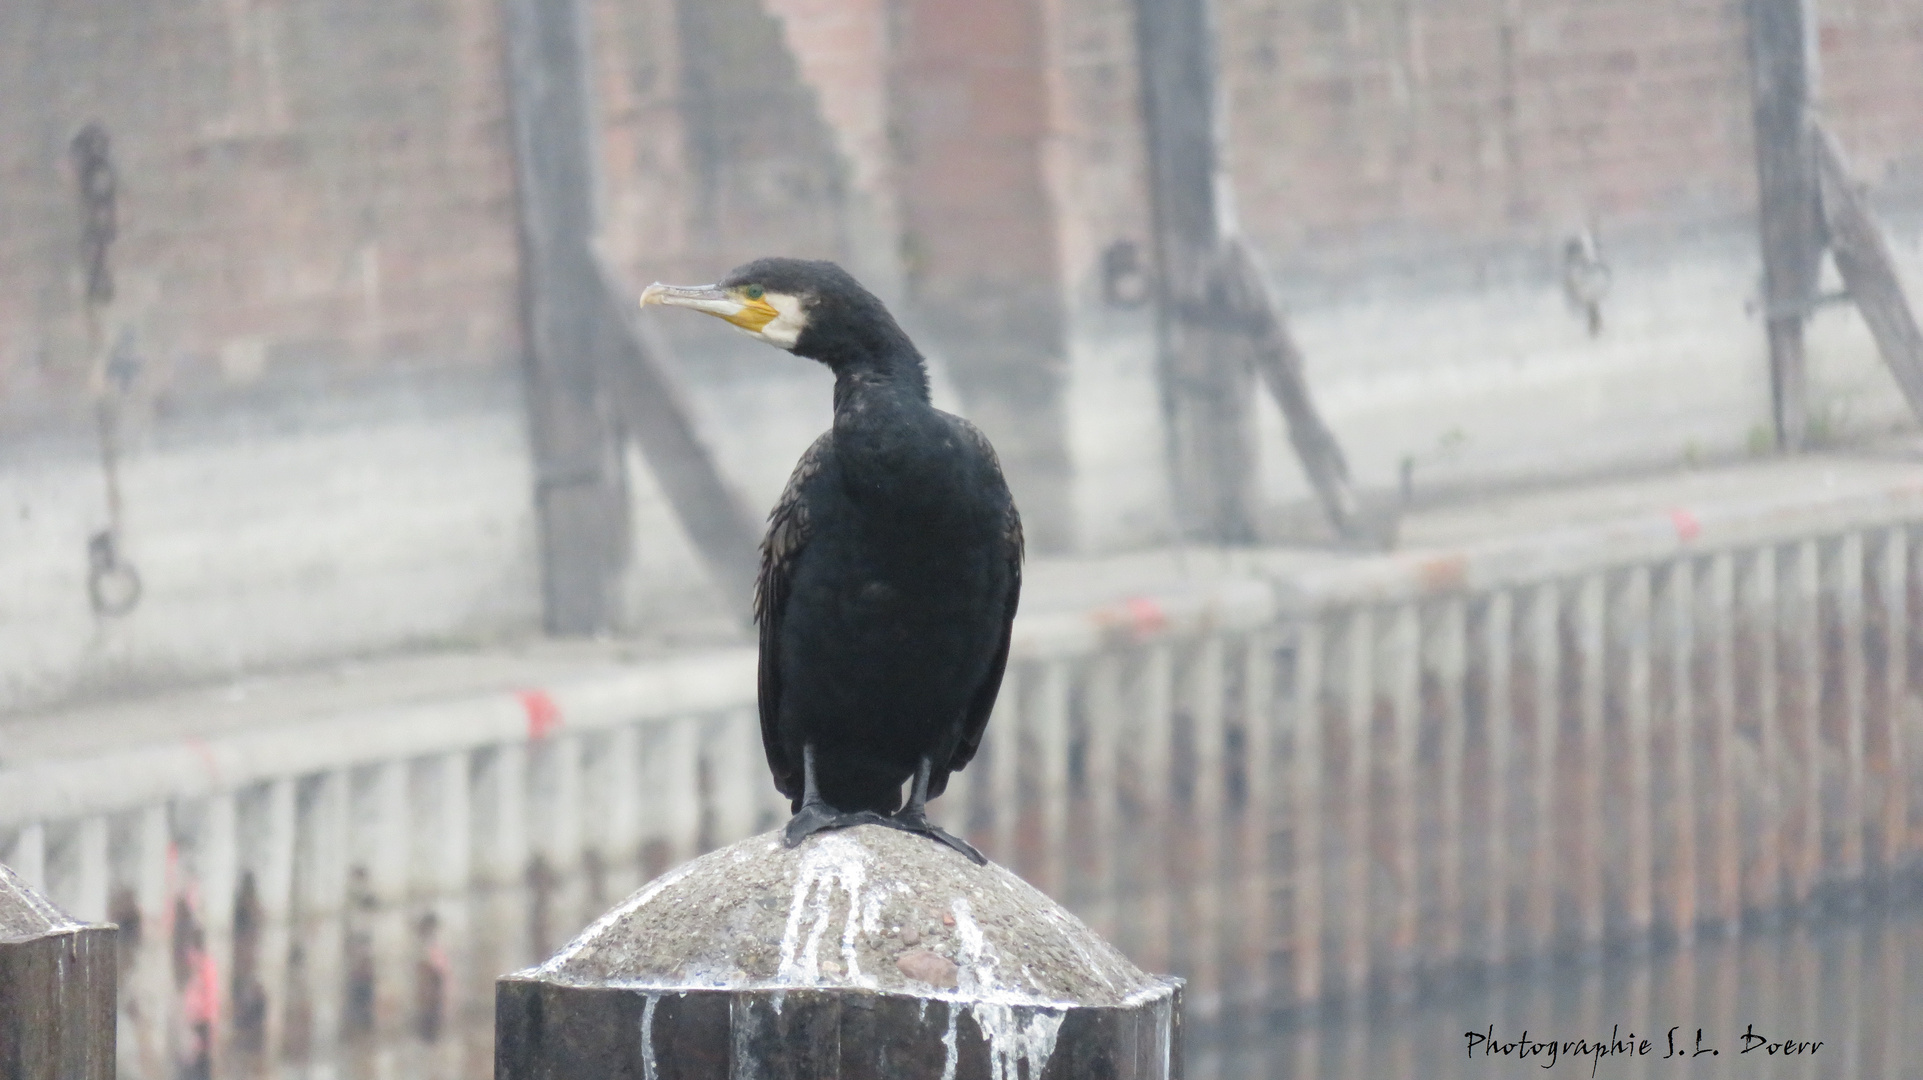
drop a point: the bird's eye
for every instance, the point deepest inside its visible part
(753, 292)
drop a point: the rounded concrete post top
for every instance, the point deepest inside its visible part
(25, 914)
(868, 908)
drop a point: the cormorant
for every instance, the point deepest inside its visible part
(891, 567)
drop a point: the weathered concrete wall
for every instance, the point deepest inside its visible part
(271, 530)
(1497, 380)
(315, 189)
(1412, 178)
(1413, 175)
(1285, 775)
(325, 448)
(970, 102)
(324, 442)
(715, 149)
(1099, 183)
(1381, 128)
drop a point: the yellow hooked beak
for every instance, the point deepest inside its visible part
(729, 304)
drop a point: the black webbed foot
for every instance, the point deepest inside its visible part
(815, 814)
(912, 820)
(820, 817)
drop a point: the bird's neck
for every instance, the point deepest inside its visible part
(894, 377)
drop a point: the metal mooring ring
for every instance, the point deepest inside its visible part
(113, 587)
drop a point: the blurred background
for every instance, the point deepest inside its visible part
(371, 579)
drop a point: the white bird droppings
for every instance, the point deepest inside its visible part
(649, 1071)
(833, 866)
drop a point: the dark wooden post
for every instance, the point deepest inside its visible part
(57, 978)
(593, 376)
(1219, 323)
(1206, 381)
(580, 487)
(863, 953)
(1783, 63)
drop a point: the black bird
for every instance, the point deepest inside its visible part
(890, 571)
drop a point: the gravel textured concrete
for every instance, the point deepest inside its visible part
(25, 914)
(867, 908)
(864, 952)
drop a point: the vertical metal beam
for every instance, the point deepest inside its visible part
(1399, 688)
(1356, 787)
(1783, 63)
(580, 489)
(1540, 635)
(1260, 769)
(1206, 381)
(1675, 641)
(1202, 692)
(1628, 620)
(1445, 721)
(1151, 751)
(1719, 610)
(1218, 324)
(1841, 637)
(1307, 769)
(1493, 640)
(594, 374)
(1588, 634)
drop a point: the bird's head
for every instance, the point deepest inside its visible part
(808, 307)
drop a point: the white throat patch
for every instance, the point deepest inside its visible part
(784, 330)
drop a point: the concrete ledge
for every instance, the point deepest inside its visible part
(190, 767)
(1071, 608)
(1691, 524)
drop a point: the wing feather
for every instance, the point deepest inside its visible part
(975, 721)
(788, 529)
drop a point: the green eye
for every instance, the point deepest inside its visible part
(752, 292)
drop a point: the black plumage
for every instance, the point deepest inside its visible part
(890, 572)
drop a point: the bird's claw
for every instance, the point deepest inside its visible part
(820, 817)
(916, 822)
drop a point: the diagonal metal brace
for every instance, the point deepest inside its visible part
(1863, 261)
(1248, 304)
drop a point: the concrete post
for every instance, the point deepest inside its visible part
(56, 990)
(863, 953)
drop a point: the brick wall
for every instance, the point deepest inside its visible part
(714, 151)
(1366, 128)
(1870, 54)
(324, 443)
(326, 185)
(970, 102)
(303, 187)
(318, 271)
